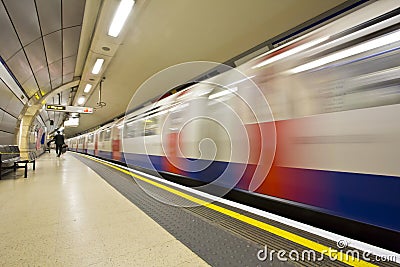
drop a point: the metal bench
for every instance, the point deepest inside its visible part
(10, 159)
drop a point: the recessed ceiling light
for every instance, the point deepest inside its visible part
(120, 16)
(87, 88)
(81, 100)
(106, 48)
(97, 66)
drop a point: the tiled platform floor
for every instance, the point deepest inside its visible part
(64, 214)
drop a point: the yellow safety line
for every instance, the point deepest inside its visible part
(338, 255)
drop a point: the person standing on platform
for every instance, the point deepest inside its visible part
(59, 140)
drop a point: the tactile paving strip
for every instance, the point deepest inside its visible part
(217, 238)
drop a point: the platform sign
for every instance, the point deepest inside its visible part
(77, 109)
(55, 108)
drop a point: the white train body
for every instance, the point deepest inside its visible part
(330, 141)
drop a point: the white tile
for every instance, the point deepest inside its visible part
(64, 214)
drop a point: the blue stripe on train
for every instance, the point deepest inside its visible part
(105, 154)
(372, 199)
(81, 150)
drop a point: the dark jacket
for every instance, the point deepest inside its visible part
(59, 139)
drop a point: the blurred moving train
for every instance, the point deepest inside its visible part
(332, 122)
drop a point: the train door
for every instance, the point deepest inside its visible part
(116, 142)
(96, 143)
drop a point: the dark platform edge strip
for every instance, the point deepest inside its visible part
(377, 236)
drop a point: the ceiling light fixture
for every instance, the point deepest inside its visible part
(81, 100)
(97, 66)
(87, 88)
(5, 75)
(120, 16)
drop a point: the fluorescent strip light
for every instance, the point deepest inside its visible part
(81, 100)
(363, 47)
(10, 82)
(222, 93)
(290, 52)
(120, 16)
(87, 88)
(97, 66)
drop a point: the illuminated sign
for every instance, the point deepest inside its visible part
(71, 122)
(86, 110)
(56, 107)
(77, 109)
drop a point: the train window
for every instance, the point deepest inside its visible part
(151, 126)
(130, 129)
(223, 94)
(90, 138)
(364, 85)
(107, 135)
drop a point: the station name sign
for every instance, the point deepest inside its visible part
(76, 109)
(56, 107)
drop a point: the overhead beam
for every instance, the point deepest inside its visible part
(29, 113)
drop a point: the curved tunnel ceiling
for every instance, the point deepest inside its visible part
(39, 44)
(41, 38)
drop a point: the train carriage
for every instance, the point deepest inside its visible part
(318, 123)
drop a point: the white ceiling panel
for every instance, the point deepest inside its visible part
(69, 65)
(71, 41)
(8, 122)
(6, 138)
(6, 95)
(36, 55)
(30, 86)
(49, 15)
(55, 71)
(68, 77)
(9, 43)
(19, 65)
(72, 12)
(23, 14)
(56, 83)
(53, 45)
(15, 107)
(42, 77)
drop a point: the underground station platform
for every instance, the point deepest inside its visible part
(78, 210)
